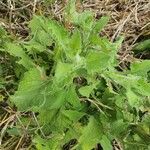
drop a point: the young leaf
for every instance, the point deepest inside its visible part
(140, 68)
(56, 99)
(86, 90)
(75, 43)
(136, 83)
(52, 28)
(142, 46)
(63, 70)
(57, 32)
(105, 143)
(17, 51)
(70, 12)
(36, 23)
(47, 144)
(84, 19)
(73, 115)
(118, 127)
(100, 24)
(133, 99)
(97, 61)
(37, 43)
(72, 97)
(91, 135)
(31, 90)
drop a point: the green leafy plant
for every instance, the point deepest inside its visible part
(142, 46)
(70, 79)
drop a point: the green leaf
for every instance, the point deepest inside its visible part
(75, 43)
(136, 83)
(133, 99)
(31, 90)
(50, 29)
(118, 127)
(4, 38)
(37, 43)
(59, 96)
(86, 90)
(41, 143)
(45, 118)
(143, 87)
(140, 68)
(57, 99)
(142, 46)
(3, 33)
(70, 11)
(63, 70)
(14, 131)
(91, 135)
(73, 133)
(36, 23)
(73, 115)
(47, 144)
(72, 97)
(105, 143)
(17, 51)
(33, 46)
(57, 32)
(84, 19)
(123, 78)
(97, 61)
(100, 24)
(139, 85)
